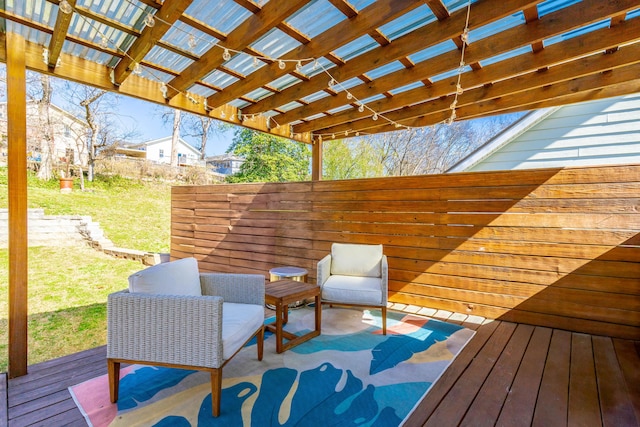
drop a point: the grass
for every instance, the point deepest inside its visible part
(68, 287)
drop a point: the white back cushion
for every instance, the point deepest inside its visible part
(356, 260)
(180, 277)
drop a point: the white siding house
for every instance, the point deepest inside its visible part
(225, 164)
(159, 151)
(593, 133)
(70, 134)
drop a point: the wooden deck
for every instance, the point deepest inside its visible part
(508, 375)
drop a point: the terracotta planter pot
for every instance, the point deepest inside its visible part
(66, 185)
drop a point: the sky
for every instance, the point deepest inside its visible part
(147, 118)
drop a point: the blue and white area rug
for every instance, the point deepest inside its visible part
(351, 375)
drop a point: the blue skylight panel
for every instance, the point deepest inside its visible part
(259, 94)
(164, 57)
(385, 69)
(449, 74)
(315, 116)
(373, 98)
(183, 36)
(433, 51)
(405, 88)
(284, 82)
(551, 6)
(28, 33)
(312, 68)
(506, 55)
(577, 32)
(356, 47)
(454, 5)
(315, 96)
(275, 44)
(348, 84)
(496, 27)
(361, 4)
(130, 14)
(403, 25)
(239, 103)
(220, 79)
(223, 15)
(244, 64)
(633, 14)
(204, 91)
(290, 106)
(340, 108)
(316, 18)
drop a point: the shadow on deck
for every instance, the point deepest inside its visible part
(509, 374)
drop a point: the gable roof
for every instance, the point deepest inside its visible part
(514, 130)
(166, 139)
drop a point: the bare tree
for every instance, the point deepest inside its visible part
(45, 130)
(200, 127)
(175, 137)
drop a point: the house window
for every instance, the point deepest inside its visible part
(67, 130)
(161, 153)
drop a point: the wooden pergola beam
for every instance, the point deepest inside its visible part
(247, 32)
(560, 53)
(342, 33)
(483, 13)
(167, 15)
(59, 33)
(17, 175)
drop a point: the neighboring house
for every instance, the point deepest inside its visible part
(70, 134)
(592, 133)
(159, 151)
(225, 164)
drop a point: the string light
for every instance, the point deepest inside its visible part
(65, 7)
(163, 90)
(281, 64)
(136, 69)
(226, 55)
(104, 42)
(191, 42)
(149, 21)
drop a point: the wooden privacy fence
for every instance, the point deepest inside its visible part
(550, 247)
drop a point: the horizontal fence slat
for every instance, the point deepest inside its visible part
(555, 247)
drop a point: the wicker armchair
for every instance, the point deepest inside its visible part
(355, 275)
(185, 331)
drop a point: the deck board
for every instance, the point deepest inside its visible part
(508, 375)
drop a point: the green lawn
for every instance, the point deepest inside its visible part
(68, 287)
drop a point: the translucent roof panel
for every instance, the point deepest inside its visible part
(284, 82)
(290, 106)
(399, 27)
(275, 44)
(454, 5)
(223, 15)
(316, 18)
(258, 94)
(29, 33)
(130, 14)
(315, 96)
(496, 27)
(198, 89)
(578, 32)
(244, 64)
(385, 69)
(87, 53)
(449, 74)
(551, 6)
(189, 39)
(356, 47)
(163, 56)
(506, 55)
(318, 66)
(633, 14)
(38, 11)
(433, 51)
(405, 88)
(219, 79)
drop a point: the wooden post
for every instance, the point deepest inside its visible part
(316, 160)
(18, 239)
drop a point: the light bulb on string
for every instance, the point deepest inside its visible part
(299, 66)
(361, 108)
(332, 83)
(65, 7)
(453, 105)
(164, 89)
(255, 62)
(459, 89)
(149, 21)
(375, 116)
(281, 64)
(465, 36)
(226, 55)
(191, 42)
(137, 69)
(104, 42)
(349, 96)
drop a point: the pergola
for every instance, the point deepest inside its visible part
(311, 70)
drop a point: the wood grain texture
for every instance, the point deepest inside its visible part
(548, 247)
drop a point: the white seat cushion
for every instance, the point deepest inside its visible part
(180, 277)
(356, 260)
(352, 289)
(239, 323)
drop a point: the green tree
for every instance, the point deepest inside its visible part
(269, 158)
(351, 158)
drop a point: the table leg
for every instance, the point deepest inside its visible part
(279, 320)
(318, 313)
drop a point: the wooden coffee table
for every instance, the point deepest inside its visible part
(282, 293)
